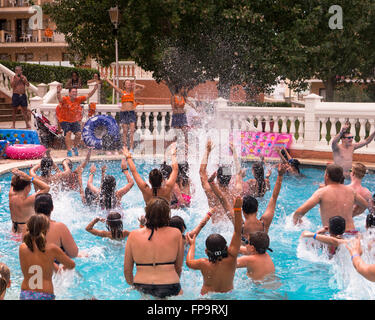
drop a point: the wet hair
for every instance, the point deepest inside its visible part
(157, 213)
(335, 173)
(4, 277)
(89, 196)
(183, 178)
(258, 172)
(69, 162)
(222, 175)
(336, 225)
(43, 204)
(45, 166)
(165, 170)
(107, 197)
(18, 183)
(114, 225)
(142, 220)
(216, 247)
(359, 170)
(370, 220)
(249, 205)
(295, 164)
(37, 227)
(177, 222)
(155, 177)
(260, 240)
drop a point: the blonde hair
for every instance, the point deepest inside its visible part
(359, 170)
(4, 277)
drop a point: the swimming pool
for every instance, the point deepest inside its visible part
(301, 274)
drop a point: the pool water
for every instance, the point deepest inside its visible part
(302, 273)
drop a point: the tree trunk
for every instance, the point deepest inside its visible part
(330, 85)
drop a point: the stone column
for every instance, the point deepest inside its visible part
(311, 125)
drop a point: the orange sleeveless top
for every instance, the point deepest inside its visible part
(128, 97)
(179, 102)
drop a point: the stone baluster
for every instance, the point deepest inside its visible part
(301, 130)
(284, 127)
(293, 128)
(147, 125)
(323, 132)
(362, 129)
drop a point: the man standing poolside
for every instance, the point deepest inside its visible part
(343, 153)
(69, 114)
(334, 199)
(19, 98)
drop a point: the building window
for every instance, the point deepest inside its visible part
(5, 57)
(22, 57)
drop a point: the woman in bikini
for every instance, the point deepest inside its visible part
(37, 259)
(114, 225)
(159, 188)
(157, 251)
(128, 117)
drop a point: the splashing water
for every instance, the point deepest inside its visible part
(301, 272)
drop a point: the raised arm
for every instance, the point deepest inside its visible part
(113, 85)
(91, 93)
(338, 136)
(366, 270)
(85, 162)
(203, 167)
(235, 244)
(58, 93)
(237, 165)
(90, 181)
(360, 201)
(34, 169)
(173, 176)
(121, 192)
(202, 223)
(270, 210)
(142, 185)
(308, 205)
(191, 262)
(323, 238)
(95, 232)
(42, 186)
(364, 142)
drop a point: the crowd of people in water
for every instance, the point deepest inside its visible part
(157, 247)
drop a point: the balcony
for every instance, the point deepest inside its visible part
(32, 38)
(14, 3)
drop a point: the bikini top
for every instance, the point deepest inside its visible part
(127, 97)
(179, 101)
(154, 264)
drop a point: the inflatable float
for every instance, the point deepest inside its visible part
(256, 144)
(98, 127)
(25, 151)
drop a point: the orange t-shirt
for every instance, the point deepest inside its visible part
(68, 111)
(128, 97)
(179, 101)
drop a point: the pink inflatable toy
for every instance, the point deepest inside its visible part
(256, 144)
(25, 151)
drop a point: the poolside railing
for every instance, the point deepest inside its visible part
(312, 127)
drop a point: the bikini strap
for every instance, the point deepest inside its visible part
(152, 232)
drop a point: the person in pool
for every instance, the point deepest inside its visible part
(21, 203)
(58, 233)
(250, 208)
(224, 177)
(257, 261)
(107, 196)
(335, 228)
(36, 252)
(4, 280)
(334, 199)
(114, 225)
(128, 117)
(292, 164)
(258, 186)
(343, 153)
(157, 251)
(219, 269)
(159, 187)
(46, 166)
(357, 172)
(71, 179)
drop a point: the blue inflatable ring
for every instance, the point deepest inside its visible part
(88, 132)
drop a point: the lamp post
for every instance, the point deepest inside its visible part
(114, 16)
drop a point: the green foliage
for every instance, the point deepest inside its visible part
(351, 93)
(248, 43)
(45, 74)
